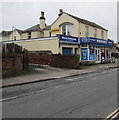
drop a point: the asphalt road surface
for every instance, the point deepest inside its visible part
(85, 96)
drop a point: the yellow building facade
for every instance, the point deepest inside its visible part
(68, 34)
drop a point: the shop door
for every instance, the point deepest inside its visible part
(66, 51)
(98, 55)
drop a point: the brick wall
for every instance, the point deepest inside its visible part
(65, 61)
(62, 61)
(11, 65)
(40, 58)
(14, 59)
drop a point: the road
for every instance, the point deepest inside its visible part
(85, 96)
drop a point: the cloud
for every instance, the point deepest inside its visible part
(25, 14)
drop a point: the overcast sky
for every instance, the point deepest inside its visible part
(23, 15)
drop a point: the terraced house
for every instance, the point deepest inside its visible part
(68, 34)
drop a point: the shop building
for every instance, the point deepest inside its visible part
(69, 34)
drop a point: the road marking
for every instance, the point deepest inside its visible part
(59, 86)
(77, 78)
(112, 115)
(5, 99)
(15, 97)
(94, 78)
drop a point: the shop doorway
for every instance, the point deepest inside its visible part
(98, 55)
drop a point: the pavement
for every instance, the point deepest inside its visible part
(43, 73)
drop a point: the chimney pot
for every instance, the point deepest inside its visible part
(60, 11)
(42, 15)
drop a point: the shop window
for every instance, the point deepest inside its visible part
(66, 29)
(86, 31)
(29, 35)
(95, 33)
(92, 50)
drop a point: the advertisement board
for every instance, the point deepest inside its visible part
(92, 57)
(84, 53)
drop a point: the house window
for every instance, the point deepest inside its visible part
(86, 31)
(102, 34)
(29, 35)
(95, 33)
(66, 29)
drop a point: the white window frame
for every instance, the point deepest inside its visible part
(68, 26)
(86, 31)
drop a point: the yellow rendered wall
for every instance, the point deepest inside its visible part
(24, 35)
(34, 34)
(37, 45)
(6, 38)
(15, 33)
(46, 33)
(66, 18)
(91, 31)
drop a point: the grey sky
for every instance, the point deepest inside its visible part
(26, 14)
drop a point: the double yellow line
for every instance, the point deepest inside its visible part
(113, 115)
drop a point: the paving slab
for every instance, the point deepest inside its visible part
(43, 73)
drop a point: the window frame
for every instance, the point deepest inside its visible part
(86, 31)
(68, 27)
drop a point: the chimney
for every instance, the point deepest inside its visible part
(60, 12)
(42, 20)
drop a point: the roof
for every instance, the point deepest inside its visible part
(5, 33)
(86, 21)
(36, 27)
(19, 31)
(33, 28)
(48, 27)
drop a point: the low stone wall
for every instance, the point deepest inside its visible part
(11, 65)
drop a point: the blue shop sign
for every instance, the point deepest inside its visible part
(68, 38)
(84, 53)
(84, 39)
(95, 41)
